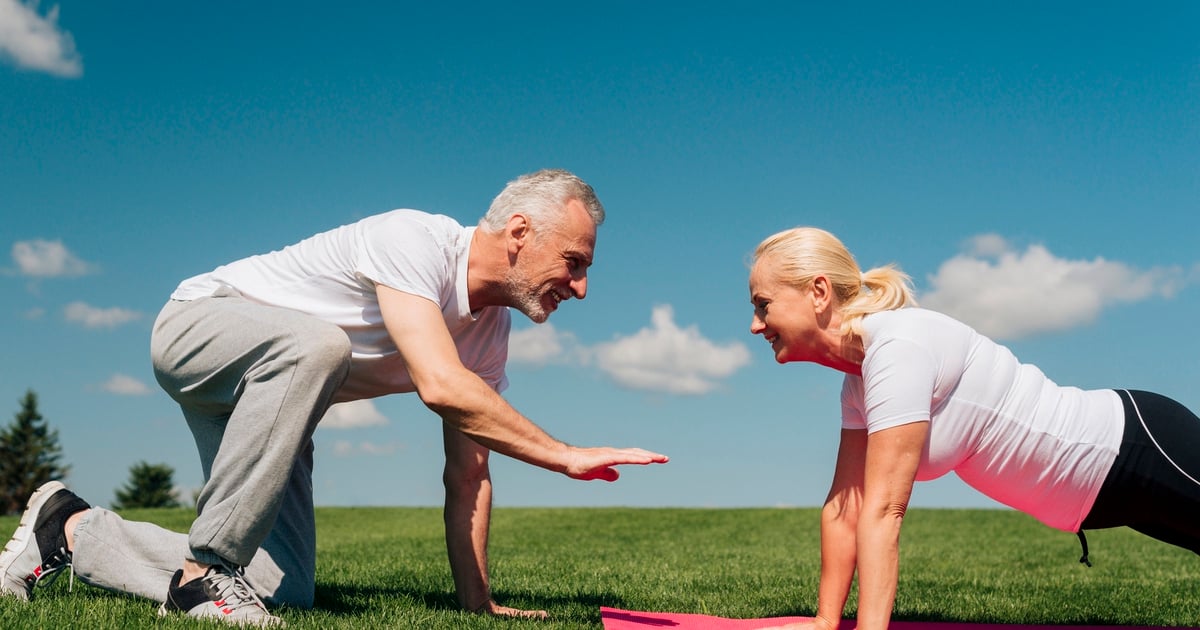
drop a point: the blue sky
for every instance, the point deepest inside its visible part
(1034, 166)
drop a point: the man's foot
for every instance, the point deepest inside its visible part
(39, 546)
(221, 594)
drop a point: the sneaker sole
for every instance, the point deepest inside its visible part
(25, 535)
(269, 622)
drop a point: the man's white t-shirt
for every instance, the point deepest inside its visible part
(1002, 426)
(332, 276)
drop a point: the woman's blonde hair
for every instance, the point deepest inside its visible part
(800, 254)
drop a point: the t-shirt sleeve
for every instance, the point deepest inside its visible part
(407, 254)
(854, 415)
(898, 381)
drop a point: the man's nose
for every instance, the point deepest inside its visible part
(579, 287)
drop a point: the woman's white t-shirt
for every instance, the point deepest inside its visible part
(1002, 426)
(332, 276)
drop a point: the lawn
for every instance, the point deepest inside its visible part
(386, 567)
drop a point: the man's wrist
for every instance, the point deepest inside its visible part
(566, 458)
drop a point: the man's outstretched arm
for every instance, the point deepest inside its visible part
(468, 404)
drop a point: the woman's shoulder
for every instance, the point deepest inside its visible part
(912, 319)
(936, 332)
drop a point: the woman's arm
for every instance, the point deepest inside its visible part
(839, 529)
(892, 457)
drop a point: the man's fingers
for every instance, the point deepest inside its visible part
(642, 456)
(600, 463)
(634, 456)
(505, 611)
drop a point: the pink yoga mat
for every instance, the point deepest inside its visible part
(617, 619)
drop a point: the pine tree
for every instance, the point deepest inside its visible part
(149, 486)
(29, 456)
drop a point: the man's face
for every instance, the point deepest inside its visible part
(553, 264)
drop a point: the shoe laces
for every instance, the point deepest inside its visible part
(230, 585)
(58, 560)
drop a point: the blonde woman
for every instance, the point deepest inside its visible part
(925, 394)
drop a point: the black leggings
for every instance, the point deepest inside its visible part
(1154, 484)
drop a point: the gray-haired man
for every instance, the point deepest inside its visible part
(256, 351)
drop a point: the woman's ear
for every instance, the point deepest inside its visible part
(822, 293)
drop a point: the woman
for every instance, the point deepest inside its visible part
(925, 394)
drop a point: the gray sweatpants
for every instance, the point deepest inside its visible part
(253, 381)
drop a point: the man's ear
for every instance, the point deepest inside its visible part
(517, 232)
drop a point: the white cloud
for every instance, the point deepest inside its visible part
(93, 317)
(34, 42)
(1008, 294)
(35, 313)
(47, 259)
(988, 245)
(123, 385)
(345, 448)
(661, 358)
(543, 344)
(352, 415)
(667, 358)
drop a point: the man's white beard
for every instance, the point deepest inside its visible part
(526, 298)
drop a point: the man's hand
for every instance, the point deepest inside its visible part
(587, 464)
(490, 607)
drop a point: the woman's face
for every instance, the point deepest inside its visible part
(783, 314)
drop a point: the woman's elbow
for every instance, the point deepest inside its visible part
(890, 512)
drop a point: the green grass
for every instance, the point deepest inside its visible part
(386, 567)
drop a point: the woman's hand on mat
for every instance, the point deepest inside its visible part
(494, 609)
(587, 464)
(815, 624)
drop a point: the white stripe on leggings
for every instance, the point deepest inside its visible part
(1151, 436)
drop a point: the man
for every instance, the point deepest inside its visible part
(256, 351)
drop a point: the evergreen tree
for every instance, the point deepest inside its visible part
(149, 486)
(29, 456)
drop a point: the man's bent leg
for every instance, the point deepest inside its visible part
(253, 382)
(139, 559)
(126, 556)
(284, 570)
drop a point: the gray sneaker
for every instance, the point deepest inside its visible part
(38, 549)
(222, 594)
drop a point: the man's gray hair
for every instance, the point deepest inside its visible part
(541, 196)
